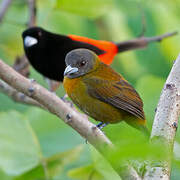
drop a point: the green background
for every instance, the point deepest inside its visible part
(31, 137)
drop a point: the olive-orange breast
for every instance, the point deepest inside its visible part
(99, 110)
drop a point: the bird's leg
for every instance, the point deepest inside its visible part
(102, 125)
(99, 125)
(67, 101)
(64, 97)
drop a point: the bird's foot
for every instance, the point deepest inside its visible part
(64, 98)
(101, 125)
(67, 101)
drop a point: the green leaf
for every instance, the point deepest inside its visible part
(54, 164)
(53, 134)
(103, 167)
(4, 176)
(85, 173)
(65, 157)
(88, 8)
(19, 150)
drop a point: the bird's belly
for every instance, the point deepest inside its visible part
(95, 108)
(103, 112)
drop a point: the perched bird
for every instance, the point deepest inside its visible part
(46, 51)
(100, 92)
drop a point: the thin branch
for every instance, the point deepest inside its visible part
(32, 13)
(166, 121)
(141, 42)
(21, 63)
(143, 21)
(17, 96)
(3, 8)
(161, 37)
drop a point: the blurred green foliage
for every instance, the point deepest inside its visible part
(35, 143)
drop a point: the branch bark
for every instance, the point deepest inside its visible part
(166, 121)
(3, 8)
(21, 63)
(141, 42)
(32, 13)
(18, 96)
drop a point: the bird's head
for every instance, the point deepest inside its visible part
(33, 37)
(80, 62)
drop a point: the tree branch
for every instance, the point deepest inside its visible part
(3, 8)
(17, 96)
(56, 106)
(21, 63)
(141, 42)
(166, 121)
(32, 13)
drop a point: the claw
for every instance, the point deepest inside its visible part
(67, 101)
(102, 125)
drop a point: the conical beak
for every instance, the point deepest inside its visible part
(30, 41)
(70, 70)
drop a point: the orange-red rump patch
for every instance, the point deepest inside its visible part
(109, 47)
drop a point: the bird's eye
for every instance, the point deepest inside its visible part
(82, 63)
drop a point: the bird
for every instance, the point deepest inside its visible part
(100, 92)
(46, 51)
